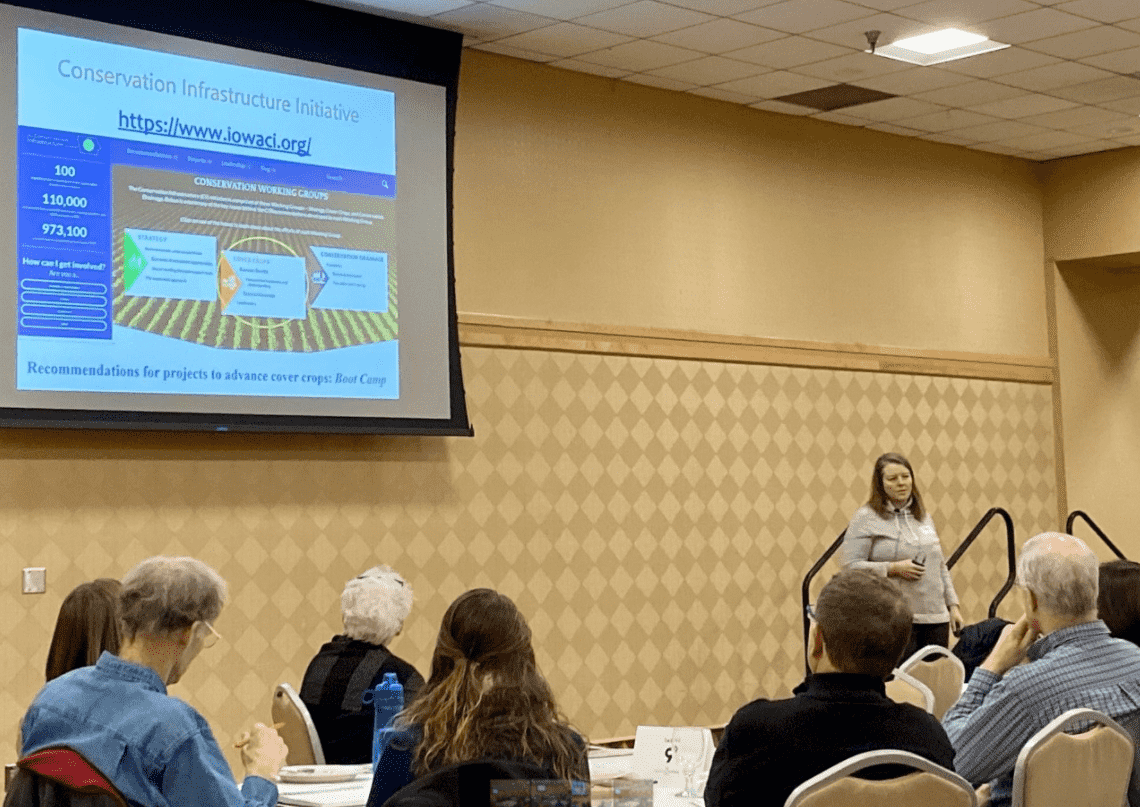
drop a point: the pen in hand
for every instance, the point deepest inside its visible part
(245, 740)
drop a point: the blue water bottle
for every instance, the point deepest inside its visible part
(388, 701)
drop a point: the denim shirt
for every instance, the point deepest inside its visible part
(157, 750)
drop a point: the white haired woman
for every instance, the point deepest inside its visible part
(155, 749)
(374, 606)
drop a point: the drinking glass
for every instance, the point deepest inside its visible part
(693, 745)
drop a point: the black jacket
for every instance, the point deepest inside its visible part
(771, 747)
(466, 784)
(332, 688)
(976, 642)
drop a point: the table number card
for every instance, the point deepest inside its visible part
(656, 752)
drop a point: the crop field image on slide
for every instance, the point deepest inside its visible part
(241, 269)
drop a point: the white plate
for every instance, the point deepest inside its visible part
(319, 774)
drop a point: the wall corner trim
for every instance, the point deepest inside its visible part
(494, 330)
(1118, 262)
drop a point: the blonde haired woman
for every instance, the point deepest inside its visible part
(485, 700)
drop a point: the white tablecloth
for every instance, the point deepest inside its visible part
(619, 762)
(604, 765)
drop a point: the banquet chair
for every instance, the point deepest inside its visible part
(1092, 768)
(298, 730)
(905, 688)
(930, 784)
(943, 675)
(60, 777)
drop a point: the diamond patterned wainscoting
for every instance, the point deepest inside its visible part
(652, 517)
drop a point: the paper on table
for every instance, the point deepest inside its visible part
(341, 794)
(601, 751)
(609, 765)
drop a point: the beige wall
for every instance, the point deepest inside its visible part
(604, 479)
(1092, 209)
(652, 517)
(584, 199)
(1090, 205)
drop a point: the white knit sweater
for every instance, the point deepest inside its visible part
(873, 542)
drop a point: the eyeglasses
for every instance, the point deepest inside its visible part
(212, 637)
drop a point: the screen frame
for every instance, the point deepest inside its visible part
(315, 32)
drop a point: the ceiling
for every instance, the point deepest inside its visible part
(1066, 85)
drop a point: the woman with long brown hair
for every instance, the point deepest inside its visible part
(88, 624)
(485, 700)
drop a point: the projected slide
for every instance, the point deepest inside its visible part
(194, 227)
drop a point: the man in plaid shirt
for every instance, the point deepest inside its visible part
(1073, 663)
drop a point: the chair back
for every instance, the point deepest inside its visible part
(905, 688)
(941, 671)
(717, 733)
(1092, 768)
(930, 785)
(298, 730)
(60, 777)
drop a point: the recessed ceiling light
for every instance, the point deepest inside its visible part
(939, 46)
(939, 41)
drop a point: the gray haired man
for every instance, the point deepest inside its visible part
(1073, 663)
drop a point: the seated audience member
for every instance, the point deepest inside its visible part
(88, 624)
(861, 626)
(1118, 603)
(155, 749)
(1074, 663)
(485, 700)
(374, 607)
(976, 641)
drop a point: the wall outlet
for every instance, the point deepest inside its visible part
(35, 580)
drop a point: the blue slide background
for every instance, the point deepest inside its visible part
(49, 100)
(79, 122)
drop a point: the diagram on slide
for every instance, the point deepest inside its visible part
(251, 266)
(177, 238)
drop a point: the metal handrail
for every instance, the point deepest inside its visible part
(1010, 551)
(805, 593)
(1069, 529)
